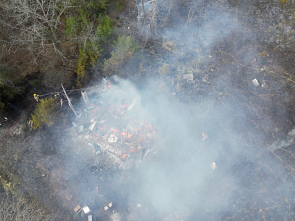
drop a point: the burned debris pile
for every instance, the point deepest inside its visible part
(113, 124)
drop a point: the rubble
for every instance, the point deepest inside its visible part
(188, 77)
(78, 208)
(112, 138)
(115, 128)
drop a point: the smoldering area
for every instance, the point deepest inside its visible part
(206, 143)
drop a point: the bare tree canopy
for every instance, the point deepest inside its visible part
(12, 209)
(153, 15)
(32, 23)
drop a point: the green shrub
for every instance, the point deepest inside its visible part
(45, 113)
(118, 7)
(105, 28)
(97, 7)
(124, 49)
(84, 17)
(72, 26)
(87, 61)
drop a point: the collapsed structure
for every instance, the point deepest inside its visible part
(114, 124)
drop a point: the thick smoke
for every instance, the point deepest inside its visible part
(177, 179)
(200, 166)
(178, 182)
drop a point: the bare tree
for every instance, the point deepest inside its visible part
(153, 15)
(12, 209)
(33, 23)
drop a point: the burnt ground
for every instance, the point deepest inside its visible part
(248, 129)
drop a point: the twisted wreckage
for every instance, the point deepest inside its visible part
(115, 126)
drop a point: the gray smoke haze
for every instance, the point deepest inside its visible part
(283, 143)
(176, 180)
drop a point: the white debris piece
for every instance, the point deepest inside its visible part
(255, 82)
(86, 209)
(188, 77)
(205, 136)
(89, 217)
(85, 97)
(110, 204)
(138, 205)
(74, 124)
(131, 105)
(92, 126)
(102, 121)
(106, 208)
(213, 166)
(112, 138)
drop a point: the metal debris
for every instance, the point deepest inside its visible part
(91, 127)
(86, 209)
(213, 166)
(110, 204)
(255, 82)
(106, 208)
(112, 138)
(96, 148)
